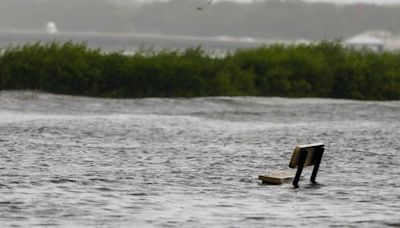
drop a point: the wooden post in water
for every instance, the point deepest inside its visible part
(318, 157)
(300, 166)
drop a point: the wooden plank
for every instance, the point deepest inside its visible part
(311, 145)
(277, 178)
(310, 159)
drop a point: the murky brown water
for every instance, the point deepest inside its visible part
(82, 162)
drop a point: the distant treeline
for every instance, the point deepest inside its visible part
(321, 70)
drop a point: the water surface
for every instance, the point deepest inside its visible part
(83, 162)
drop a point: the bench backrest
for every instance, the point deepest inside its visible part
(310, 149)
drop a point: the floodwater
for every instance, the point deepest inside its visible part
(82, 162)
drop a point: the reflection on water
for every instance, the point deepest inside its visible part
(71, 161)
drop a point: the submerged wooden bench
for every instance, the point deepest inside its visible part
(303, 155)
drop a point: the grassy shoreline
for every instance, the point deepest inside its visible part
(325, 70)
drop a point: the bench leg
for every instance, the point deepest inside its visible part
(302, 159)
(318, 158)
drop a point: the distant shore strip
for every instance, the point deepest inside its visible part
(324, 70)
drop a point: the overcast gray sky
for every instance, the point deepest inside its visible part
(183, 17)
(356, 1)
(335, 1)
